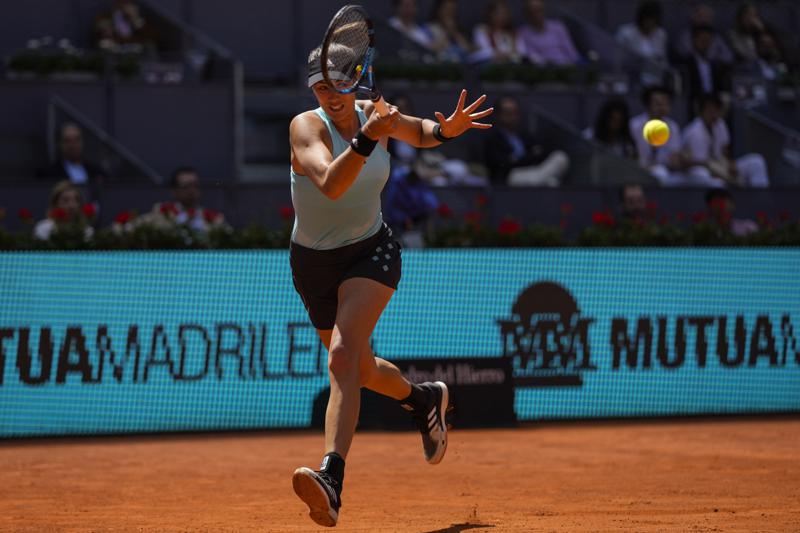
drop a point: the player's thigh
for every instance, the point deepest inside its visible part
(361, 302)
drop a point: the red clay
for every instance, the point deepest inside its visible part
(721, 475)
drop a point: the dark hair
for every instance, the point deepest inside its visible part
(708, 99)
(437, 5)
(697, 29)
(649, 9)
(716, 194)
(173, 180)
(655, 89)
(740, 13)
(601, 130)
(494, 4)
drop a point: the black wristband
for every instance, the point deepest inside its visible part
(362, 145)
(437, 134)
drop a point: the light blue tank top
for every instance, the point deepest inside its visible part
(321, 223)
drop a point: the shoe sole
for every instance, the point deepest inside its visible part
(439, 455)
(309, 490)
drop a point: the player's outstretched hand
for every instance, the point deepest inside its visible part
(463, 118)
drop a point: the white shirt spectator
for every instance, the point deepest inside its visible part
(653, 46)
(495, 45)
(711, 144)
(414, 31)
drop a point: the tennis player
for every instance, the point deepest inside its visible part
(346, 265)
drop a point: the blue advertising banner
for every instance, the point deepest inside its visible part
(161, 341)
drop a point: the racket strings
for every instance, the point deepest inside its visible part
(349, 42)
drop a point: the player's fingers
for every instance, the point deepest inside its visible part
(481, 126)
(440, 117)
(474, 105)
(482, 114)
(461, 98)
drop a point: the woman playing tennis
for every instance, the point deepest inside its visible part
(346, 265)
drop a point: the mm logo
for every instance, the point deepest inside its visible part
(546, 338)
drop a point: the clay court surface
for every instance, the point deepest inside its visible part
(695, 475)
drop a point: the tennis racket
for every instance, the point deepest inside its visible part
(347, 54)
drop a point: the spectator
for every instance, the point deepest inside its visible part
(66, 209)
(634, 203)
(705, 74)
(719, 51)
(707, 144)
(409, 198)
(513, 156)
(770, 62)
(186, 209)
(71, 163)
(447, 37)
(544, 40)
(404, 21)
(123, 28)
(665, 162)
(720, 208)
(744, 34)
(648, 40)
(612, 131)
(495, 38)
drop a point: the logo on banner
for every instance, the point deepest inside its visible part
(546, 337)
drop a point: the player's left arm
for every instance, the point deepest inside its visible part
(419, 132)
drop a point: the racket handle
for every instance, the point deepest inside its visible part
(380, 104)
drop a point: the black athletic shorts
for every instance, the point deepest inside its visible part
(317, 274)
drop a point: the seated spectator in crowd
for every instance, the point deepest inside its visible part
(705, 74)
(409, 199)
(544, 40)
(721, 207)
(744, 34)
(612, 131)
(512, 154)
(404, 21)
(186, 209)
(718, 50)
(648, 40)
(66, 209)
(665, 163)
(634, 203)
(707, 143)
(71, 163)
(770, 63)
(448, 40)
(495, 38)
(123, 25)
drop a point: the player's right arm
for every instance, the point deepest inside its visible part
(312, 157)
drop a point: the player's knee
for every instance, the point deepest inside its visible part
(342, 362)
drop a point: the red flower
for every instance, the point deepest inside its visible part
(481, 200)
(123, 218)
(211, 216)
(566, 208)
(25, 214)
(509, 226)
(168, 209)
(651, 207)
(762, 217)
(699, 217)
(664, 220)
(191, 212)
(444, 210)
(2, 213)
(724, 218)
(89, 211)
(473, 217)
(59, 215)
(603, 218)
(784, 216)
(680, 216)
(563, 224)
(287, 212)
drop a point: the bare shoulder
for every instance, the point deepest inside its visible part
(306, 125)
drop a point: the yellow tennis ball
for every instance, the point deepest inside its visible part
(656, 132)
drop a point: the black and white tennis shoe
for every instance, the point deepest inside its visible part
(320, 492)
(431, 421)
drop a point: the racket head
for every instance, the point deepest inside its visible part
(346, 54)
